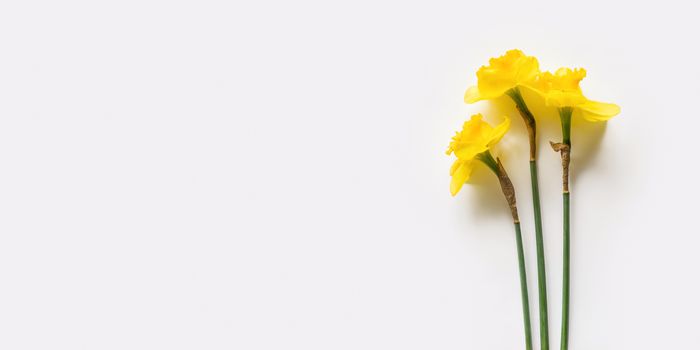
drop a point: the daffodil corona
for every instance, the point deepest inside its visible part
(472, 144)
(562, 90)
(505, 75)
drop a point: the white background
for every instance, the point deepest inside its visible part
(271, 175)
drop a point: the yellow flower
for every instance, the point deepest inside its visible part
(502, 74)
(561, 89)
(476, 137)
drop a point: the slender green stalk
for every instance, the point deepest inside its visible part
(565, 116)
(530, 123)
(566, 279)
(565, 149)
(541, 273)
(509, 193)
(488, 160)
(528, 118)
(523, 288)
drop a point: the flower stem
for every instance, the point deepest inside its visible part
(488, 160)
(528, 118)
(565, 149)
(541, 273)
(566, 278)
(523, 288)
(530, 123)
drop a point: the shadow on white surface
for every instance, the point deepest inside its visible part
(586, 139)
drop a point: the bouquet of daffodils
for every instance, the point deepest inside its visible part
(507, 75)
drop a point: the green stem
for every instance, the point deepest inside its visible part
(531, 126)
(528, 118)
(486, 158)
(565, 116)
(523, 288)
(566, 279)
(541, 273)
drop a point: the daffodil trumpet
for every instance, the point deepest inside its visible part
(562, 90)
(472, 144)
(504, 76)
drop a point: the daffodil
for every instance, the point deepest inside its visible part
(505, 75)
(473, 143)
(562, 89)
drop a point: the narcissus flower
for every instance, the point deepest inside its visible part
(502, 74)
(473, 143)
(561, 89)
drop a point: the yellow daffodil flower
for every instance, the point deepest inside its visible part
(476, 138)
(502, 74)
(474, 143)
(561, 89)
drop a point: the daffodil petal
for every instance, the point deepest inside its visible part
(500, 130)
(455, 165)
(470, 151)
(460, 174)
(598, 111)
(527, 70)
(472, 95)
